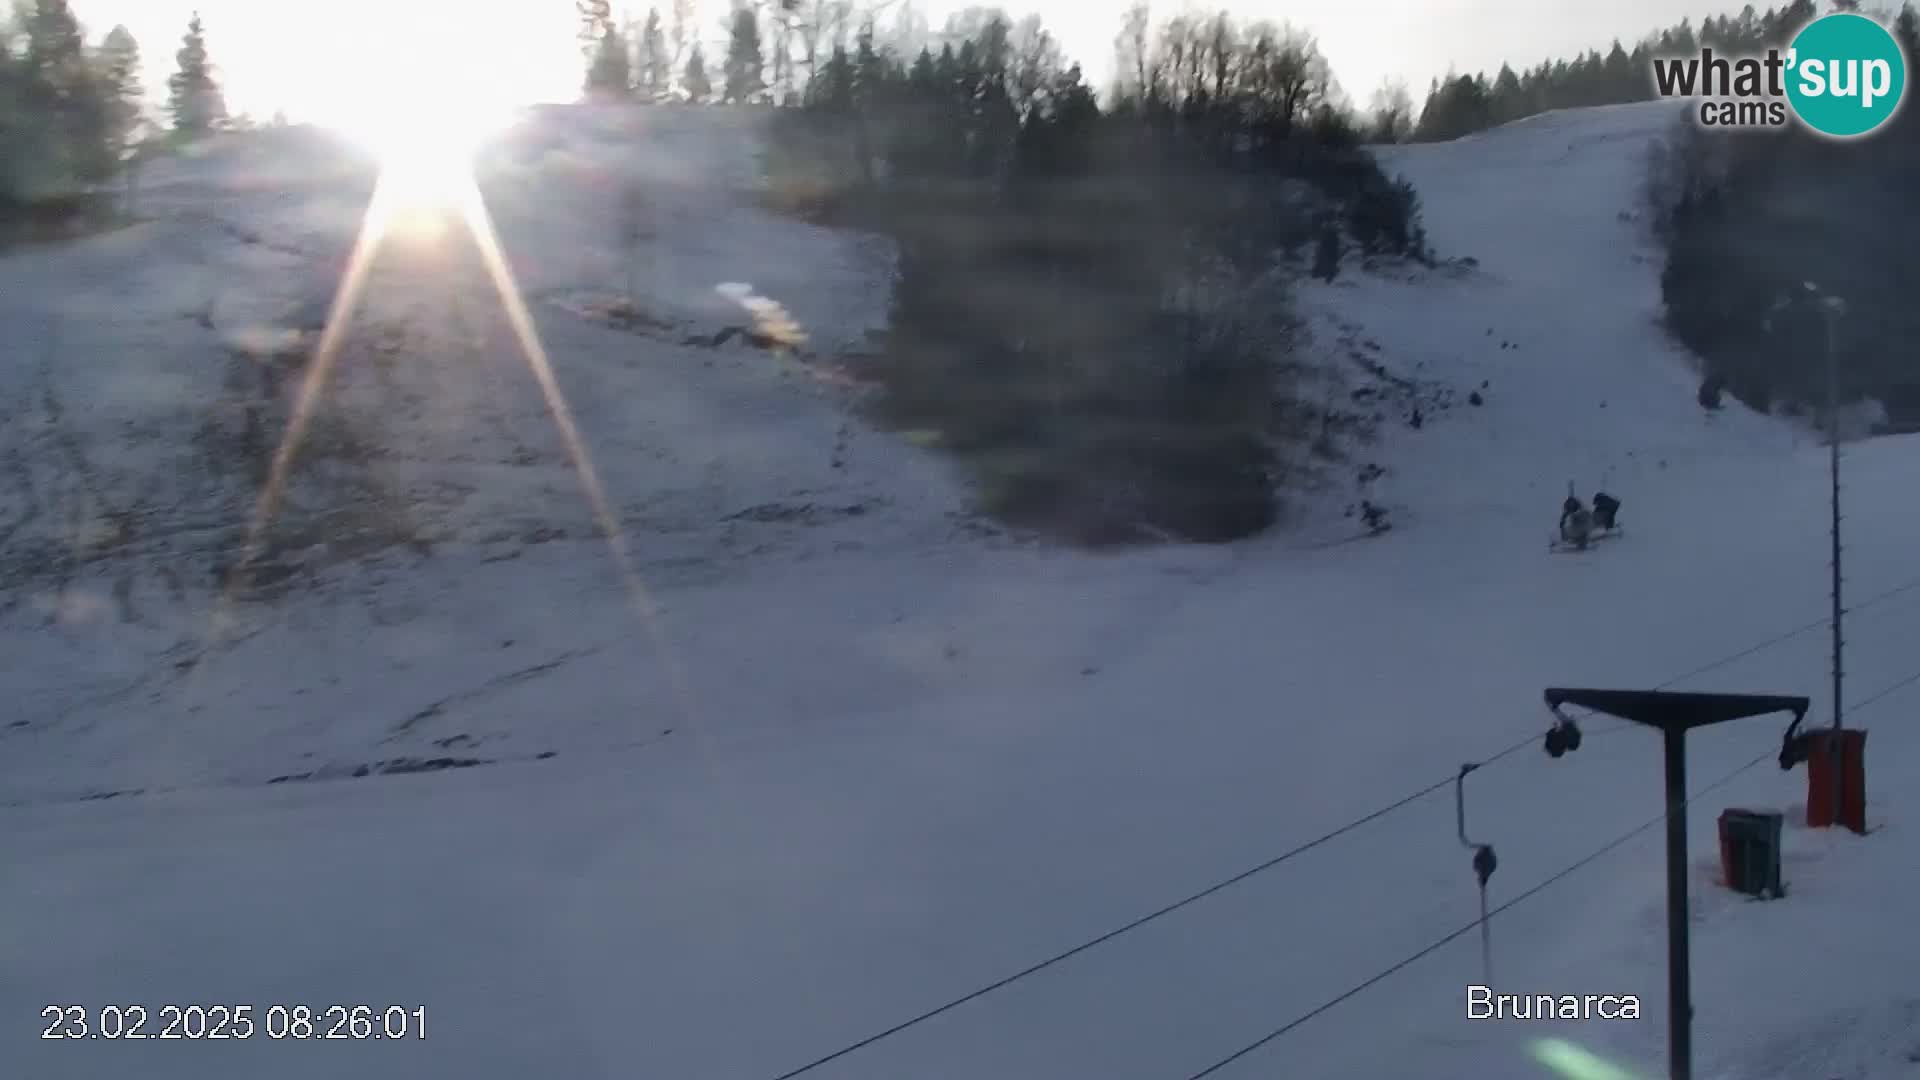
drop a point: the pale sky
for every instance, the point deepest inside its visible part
(304, 56)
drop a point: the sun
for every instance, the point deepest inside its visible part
(429, 157)
(425, 145)
(424, 83)
(422, 113)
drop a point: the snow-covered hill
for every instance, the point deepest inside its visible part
(852, 755)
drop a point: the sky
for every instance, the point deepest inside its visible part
(310, 58)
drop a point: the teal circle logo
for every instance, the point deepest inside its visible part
(1846, 75)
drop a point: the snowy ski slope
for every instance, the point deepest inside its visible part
(866, 757)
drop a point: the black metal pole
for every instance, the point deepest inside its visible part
(1483, 864)
(1834, 755)
(1673, 713)
(1679, 1003)
(1486, 938)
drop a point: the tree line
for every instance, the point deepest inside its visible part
(1462, 104)
(774, 49)
(74, 115)
(1090, 304)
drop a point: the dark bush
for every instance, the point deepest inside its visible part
(1088, 308)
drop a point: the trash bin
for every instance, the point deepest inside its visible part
(1750, 852)
(1852, 775)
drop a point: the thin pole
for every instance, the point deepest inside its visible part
(1486, 938)
(1679, 998)
(1483, 864)
(1833, 462)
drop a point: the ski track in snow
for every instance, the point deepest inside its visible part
(852, 755)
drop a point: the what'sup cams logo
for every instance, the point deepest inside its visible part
(1842, 76)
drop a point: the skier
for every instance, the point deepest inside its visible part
(1576, 522)
(1605, 507)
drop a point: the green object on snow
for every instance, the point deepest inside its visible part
(1566, 1060)
(1752, 852)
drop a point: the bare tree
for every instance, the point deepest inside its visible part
(972, 23)
(1287, 72)
(840, 25)
(782, 15)
(820, 26)
(812, 25)
(1196, 55)
(1133, 50)
(1390, 113)
(1036, 62)
(683, 30)
(1170, 58)
(636, 48)
(1223, 53)
(910, 31)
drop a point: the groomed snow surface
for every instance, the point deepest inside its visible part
(854, 754)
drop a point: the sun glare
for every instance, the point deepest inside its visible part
(423, 115)
(425, 148)
(426, 117)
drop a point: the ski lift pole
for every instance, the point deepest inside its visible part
(1483, 865)
(1832, 307)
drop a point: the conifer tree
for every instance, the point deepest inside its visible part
(610, 72)
(609, 67)
(698, 85)
(54, 58)
(595, 17)
(1508, 103)
(120, 70)
(193, 95)
(64, 99)
(653, 69)
(745, 68)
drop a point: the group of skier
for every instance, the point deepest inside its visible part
(1580, 525)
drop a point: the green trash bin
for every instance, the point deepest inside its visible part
(1750, 852)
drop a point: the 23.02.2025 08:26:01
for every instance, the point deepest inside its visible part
(300, 1022)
